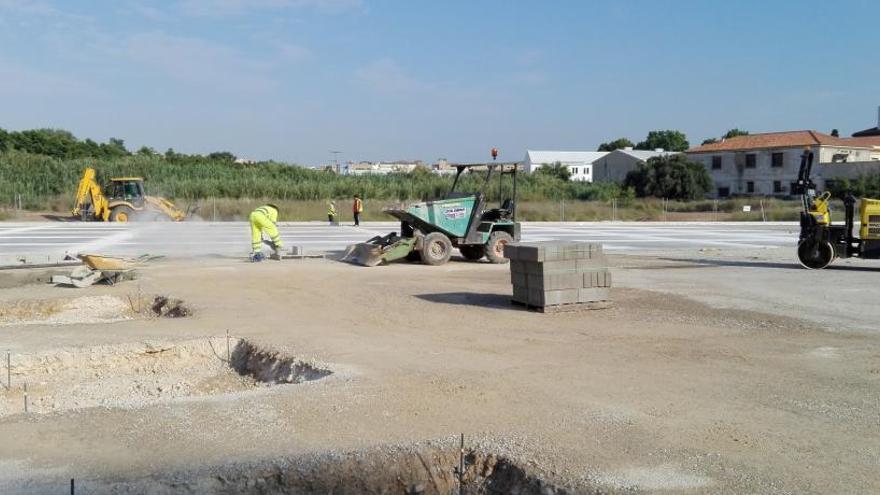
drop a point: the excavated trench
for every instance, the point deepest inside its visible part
(138, 374)
(90, 310)
(422, 471)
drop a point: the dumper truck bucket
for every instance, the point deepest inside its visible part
(364, 253)
(379, 249)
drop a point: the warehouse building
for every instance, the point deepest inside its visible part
(579, 163)
(614, 166)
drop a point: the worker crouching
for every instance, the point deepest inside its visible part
(264, 219)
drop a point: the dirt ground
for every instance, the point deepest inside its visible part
(725, 375)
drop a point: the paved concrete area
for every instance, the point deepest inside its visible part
(233, 238)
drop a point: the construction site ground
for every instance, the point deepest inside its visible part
(730, 371)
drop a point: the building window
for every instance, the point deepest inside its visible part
(751, 160)
(716, 163)
(777, 186)
(723, 192)
(776, 160)
(574, 170)
(750, 186)
(586, 170)
(792, 186)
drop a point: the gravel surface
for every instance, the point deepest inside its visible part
(79, 310)
(675, 389)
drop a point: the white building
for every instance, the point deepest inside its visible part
(579, 163)
(614, 166)
(383, 168)
(443, 167)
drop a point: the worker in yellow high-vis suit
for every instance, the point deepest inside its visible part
(263, 219)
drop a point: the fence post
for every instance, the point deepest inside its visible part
(563, 209)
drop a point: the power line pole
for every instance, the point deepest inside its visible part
(336, 161)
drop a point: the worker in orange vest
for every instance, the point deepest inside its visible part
(357, 208)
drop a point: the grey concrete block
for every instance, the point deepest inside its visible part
(597, 278)
(519, 279)
(552, 251)
(511, 251)
(552, 267)
(590, 264)
(558, 281)
(527, 252)
(594, 294)
(553, 297)
(521, 294)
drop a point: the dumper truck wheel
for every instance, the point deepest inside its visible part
(815, 255)
(436, 249)
(495, 246)
(472, 253)
(121, 213)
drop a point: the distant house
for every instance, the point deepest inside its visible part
(383, 168)
(768, 164)
(443, 167)
(579, 163)
(614, 166)
(871, 131)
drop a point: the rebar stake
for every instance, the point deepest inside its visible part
(8, 371)
(461, 467)
(228, 355)
(25, 397)
(72, 487)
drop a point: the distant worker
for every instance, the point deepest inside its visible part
(263, 219)
(357, 208)
(331, 213)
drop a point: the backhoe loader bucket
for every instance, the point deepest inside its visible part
(379, 249)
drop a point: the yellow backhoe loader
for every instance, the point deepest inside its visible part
(122, 200)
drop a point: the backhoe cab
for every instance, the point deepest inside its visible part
(122, 200)
(429, 230)
(820, 241)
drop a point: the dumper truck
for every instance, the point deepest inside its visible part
(430, 230)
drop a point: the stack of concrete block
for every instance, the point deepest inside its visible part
(559, 275)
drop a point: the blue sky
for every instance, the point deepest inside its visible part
(294, 79)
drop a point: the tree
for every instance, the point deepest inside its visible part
(223, 156)
(90, 148)
(671, 176)
(835, 133)
(709, 141)
(146, 151)
(115, 147)
(734, 133)
(617, 144)
(556, 170)
(669, 140)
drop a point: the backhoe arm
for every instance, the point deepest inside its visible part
(89, 193)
